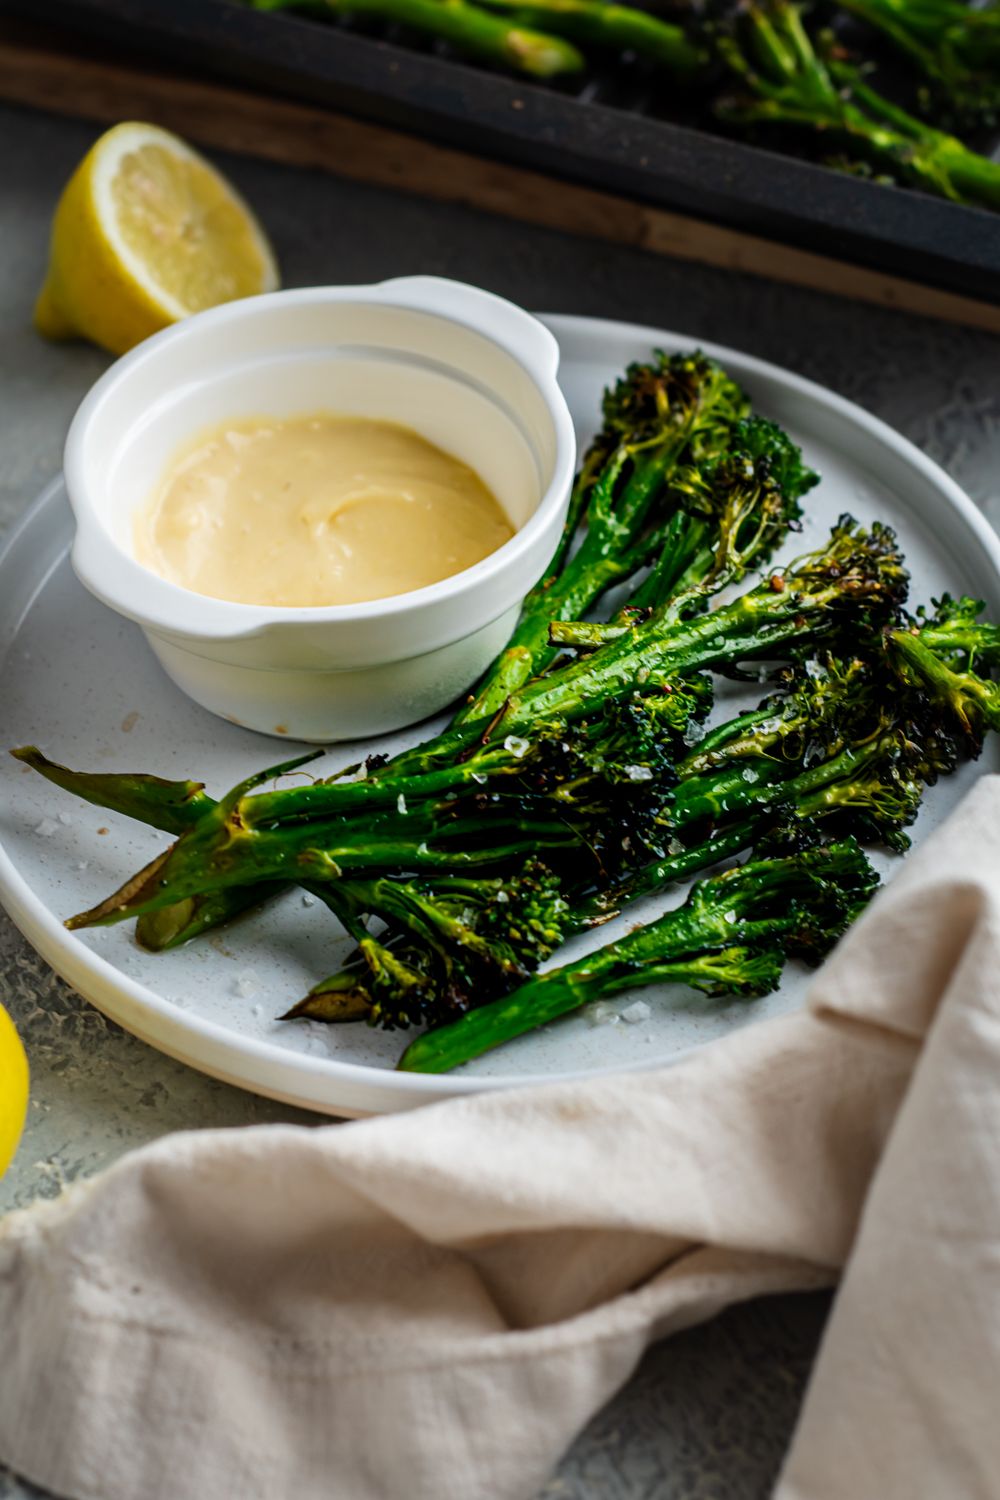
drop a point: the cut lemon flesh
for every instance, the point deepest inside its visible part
(146, 232)
(13, 1090)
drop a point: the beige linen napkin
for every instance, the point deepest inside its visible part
(429, 1306)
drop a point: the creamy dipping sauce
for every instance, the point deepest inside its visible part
(315, 510)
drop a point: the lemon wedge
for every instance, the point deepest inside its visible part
(13, 1090)
(146, 232)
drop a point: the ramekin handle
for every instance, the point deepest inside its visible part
(508, 325)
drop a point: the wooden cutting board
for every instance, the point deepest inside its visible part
(46, 70)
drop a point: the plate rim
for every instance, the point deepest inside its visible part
(330, 1085)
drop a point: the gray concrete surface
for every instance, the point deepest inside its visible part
(708, 1415)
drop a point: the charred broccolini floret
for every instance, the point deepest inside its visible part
(734, 508)
(939, 656)
(839, 745)
(730, 936)
(450, 944)
(672, 408)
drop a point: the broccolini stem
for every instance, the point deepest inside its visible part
(310, 853)
(664, 872)
(468, 28)
(547, 997)
(602, 23)
(656, 413)
(768, 904)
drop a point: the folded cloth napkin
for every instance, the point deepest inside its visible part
(429, 1306)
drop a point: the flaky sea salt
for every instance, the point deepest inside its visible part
(638, 773)
(65, 819)
(602, 1014)
(730, 917)
(636, 1012)
(401, 805)
(244, 985)
(47, 827)
(308, 900)
(516, 745)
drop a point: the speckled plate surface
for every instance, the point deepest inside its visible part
(82, 684)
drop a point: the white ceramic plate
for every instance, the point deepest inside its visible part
(81, 683)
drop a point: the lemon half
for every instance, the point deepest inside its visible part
(13, 1090)
(146, 232)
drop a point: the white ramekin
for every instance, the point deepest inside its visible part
(469, 371)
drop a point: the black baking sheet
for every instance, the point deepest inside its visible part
(603, 135)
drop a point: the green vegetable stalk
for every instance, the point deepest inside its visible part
(728, 937)
(468, 28)
(618, 28)
(569, 788)
(676, 407)
(940, 658)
